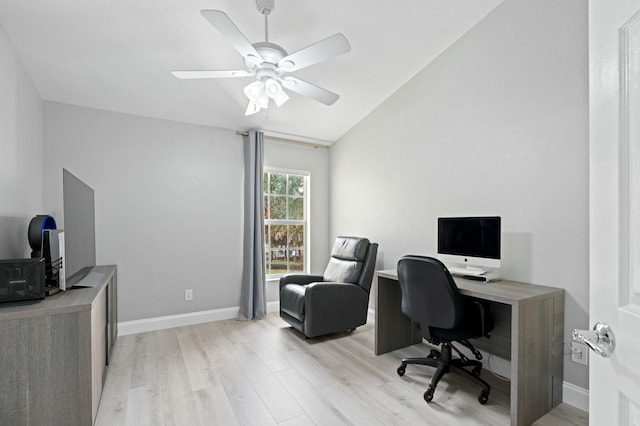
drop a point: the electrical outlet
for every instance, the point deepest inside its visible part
(579, 353)
(188, 294)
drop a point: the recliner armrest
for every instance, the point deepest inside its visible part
(331, 307)
(302, 279)
(333, 298)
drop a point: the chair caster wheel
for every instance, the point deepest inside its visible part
(428, 395)
(484, 397)
(401, 370)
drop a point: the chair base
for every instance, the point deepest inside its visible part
(443, 363)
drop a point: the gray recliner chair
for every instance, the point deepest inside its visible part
(336, 301)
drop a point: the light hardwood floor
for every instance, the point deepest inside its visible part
(264, 373)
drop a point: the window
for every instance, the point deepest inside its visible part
(285, 222)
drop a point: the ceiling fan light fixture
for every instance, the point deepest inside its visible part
(259, 92)
(252, 108)
(272, 87)
(263, 100)
(252, 91)
(275, 92)
(257, 96)
(281, 98)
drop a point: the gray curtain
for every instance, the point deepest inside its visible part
(253, 303)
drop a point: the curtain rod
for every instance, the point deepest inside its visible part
(285, 138)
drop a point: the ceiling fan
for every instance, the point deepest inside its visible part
(270, 63)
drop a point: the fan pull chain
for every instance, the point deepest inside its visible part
(266, 27)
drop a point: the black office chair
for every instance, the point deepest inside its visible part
(432, 300)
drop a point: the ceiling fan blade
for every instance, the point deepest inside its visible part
(228, 29)
(332, 46)
(187, 75)
(307, 89)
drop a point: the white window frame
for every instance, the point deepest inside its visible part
(306, 222)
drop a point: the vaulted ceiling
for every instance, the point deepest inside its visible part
(117, 55)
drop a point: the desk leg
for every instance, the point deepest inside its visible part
(536, 368)
(393, 330)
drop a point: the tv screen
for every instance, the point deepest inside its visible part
(469, 236)
(79, 225)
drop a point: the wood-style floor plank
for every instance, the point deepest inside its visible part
(564, 415)
(263, 372)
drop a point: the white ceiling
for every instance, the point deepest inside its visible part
(117, 55)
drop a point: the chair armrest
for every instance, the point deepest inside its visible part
(326, 299)
(302, 279)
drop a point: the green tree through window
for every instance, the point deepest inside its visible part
(285, 204)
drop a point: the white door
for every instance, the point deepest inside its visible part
(614, 68)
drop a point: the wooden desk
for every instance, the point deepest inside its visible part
(529, 332)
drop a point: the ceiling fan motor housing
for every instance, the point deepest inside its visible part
(266, 71)
(269, 52)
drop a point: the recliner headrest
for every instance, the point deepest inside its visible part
(350, 248)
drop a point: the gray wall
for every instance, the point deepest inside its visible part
(497, 125)
(167, 200)
(168, 203)
(20, 153)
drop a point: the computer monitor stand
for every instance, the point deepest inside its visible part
(476, 274)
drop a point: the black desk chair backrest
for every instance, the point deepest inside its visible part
(431, 299)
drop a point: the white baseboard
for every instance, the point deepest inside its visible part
(273, 306)
(575, 396)
(181, 320)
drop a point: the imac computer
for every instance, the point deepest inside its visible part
(469, 245)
